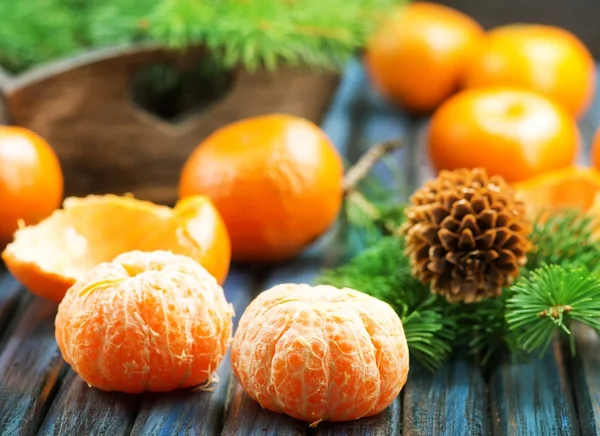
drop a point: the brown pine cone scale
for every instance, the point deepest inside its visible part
(466, 234)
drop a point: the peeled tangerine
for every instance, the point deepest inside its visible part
(147, 321)
(50, 256)
(320, 353)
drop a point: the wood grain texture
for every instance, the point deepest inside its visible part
(81, 410)
(30, 365)
(451, 401)
(197, 412)
(10, 295)
(386, 423)
(532, 398)
(584, 369)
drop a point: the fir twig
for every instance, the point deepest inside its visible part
(367, 161)
(548, 300)
(564, 238)
(253, 34)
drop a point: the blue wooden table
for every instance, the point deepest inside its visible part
(553, 395)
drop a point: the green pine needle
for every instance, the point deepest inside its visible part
(484, 328)
(558, 287)
(564, 239)
(383, 271)
(254, 34)
(548, 300)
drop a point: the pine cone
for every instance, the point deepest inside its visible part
(466, 234)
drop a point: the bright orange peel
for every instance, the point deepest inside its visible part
(51, 256)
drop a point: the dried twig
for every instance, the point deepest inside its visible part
(367, 161)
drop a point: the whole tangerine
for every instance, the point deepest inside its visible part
(320, 353)
(541, 58)
(147, 321)
(31, 180)
(49, 257)
(277, 181)
(514, 133)
(418, 55)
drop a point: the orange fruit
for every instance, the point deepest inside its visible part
(147, 321)
(513, 133)
(541, 58)
(571, 187)
(51, 256)
(595, 150)
(320, 353)
(31, 180)
(275, 179)
(418, 55)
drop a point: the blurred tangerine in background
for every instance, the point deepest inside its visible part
(541, 58)
(31, 180)
(417, 56)
(277, 181)
(572, 187)
(51, 256)
(514, 133)
(147, 321)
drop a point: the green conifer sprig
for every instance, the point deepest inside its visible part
(547, 300)
(564, 238)
(250, 33)
(558, 287)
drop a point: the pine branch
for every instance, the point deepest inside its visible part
(547, 300)
(564, 238)
(250, 33)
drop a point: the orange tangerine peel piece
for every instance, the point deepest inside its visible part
(49, 257)
(570, 187)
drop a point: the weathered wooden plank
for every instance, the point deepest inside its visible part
(532, 398)
(246, 417)
(452, 401)
(79, 409)
(30, 365)
(197, 412)
(385, 423)
(10, 295)
(584, 369)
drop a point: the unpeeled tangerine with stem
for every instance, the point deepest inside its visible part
(320, 353)
(147, 321)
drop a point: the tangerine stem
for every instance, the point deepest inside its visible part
(367, 161)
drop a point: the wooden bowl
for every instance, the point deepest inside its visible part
(107, 143)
